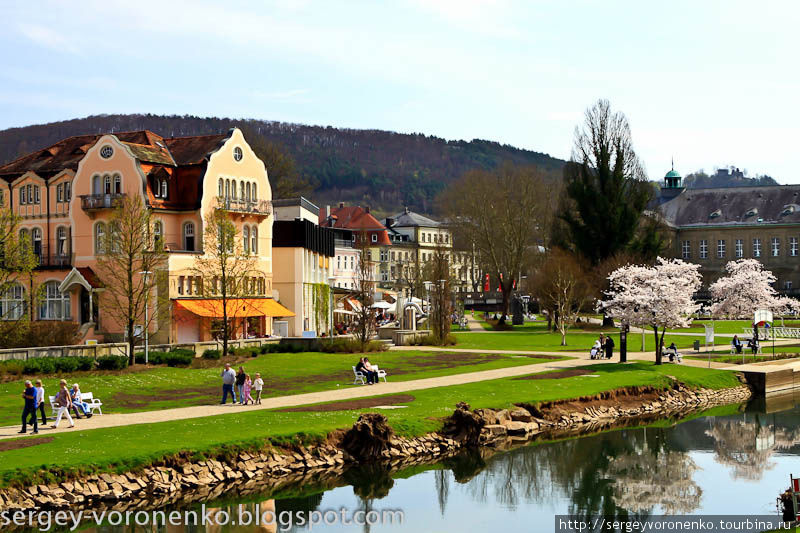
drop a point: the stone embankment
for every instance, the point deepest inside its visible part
(183, 481)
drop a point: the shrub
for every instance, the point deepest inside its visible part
(13, 367)
(112, 362)
(351, 346)
(39, 365)
(177, 358)
(432, 340)
(212, 354)
(246, 352)
(66, 364)
(85, 363)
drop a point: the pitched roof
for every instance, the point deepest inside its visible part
(732, 206)
(145, 145)
(355, 218)
(410, 219)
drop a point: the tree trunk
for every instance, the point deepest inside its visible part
(131, 344)
(623, 343)
(658, 345)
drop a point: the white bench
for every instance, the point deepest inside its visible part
(86, 397)
(360, 377)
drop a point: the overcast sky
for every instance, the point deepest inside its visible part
(710, 83)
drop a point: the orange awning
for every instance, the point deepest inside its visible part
(236, 308)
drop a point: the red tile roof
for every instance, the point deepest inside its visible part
(356, 219)
(89, 275)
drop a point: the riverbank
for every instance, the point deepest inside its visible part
(188, 477)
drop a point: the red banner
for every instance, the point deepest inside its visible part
(486, 284)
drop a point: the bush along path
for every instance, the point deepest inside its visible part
(188, 477)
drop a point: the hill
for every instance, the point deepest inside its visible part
(379, 168)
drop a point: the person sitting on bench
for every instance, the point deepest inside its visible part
(672, 353)
(736, 344)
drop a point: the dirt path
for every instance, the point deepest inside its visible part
(342, 394)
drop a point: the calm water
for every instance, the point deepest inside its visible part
(732, 464)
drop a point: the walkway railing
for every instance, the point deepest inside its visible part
(777, 332)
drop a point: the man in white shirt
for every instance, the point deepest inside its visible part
(39, 402)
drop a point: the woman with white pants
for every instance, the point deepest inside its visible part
(63, 401)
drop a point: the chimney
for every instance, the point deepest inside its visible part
(366, 209)
(389, 222)
(341, 204)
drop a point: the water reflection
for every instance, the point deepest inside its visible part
(707, 465)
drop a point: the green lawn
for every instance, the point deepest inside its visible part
(127, 447)
(283, 374)
(577, 341)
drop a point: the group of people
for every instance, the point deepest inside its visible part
(370, 371)
(65, 399)
(245, 386)
(752, 344)
(603, 347)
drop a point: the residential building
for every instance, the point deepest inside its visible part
(303, 268)
(66, 194)
(714, 226)
(367, 235)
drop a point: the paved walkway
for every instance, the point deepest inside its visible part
(345, 393)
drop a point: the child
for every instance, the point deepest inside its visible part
(246, 398)
(258, 384)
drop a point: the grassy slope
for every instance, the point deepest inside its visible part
(297, 373)
(134, 445)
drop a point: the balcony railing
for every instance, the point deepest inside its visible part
(256, 207)
(55, 260)
(92, 202)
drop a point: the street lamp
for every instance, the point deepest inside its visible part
(331, 283)
(146, 273)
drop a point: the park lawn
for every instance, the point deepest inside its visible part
(130, 446)
(577, 341)
(283, 373)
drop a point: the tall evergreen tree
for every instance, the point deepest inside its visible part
(606, 190)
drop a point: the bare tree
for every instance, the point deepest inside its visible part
(508, 213)
(363, 291)
(17, 264)
(225, 270)
(563, 288)
(128, 253)
(438, 275)
(410, 274)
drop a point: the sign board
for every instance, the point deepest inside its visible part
(91, 342)
(709, 333)
(762, 316)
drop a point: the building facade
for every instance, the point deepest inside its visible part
(66, 194)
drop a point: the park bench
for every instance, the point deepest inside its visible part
(360, 377)
(87, 398)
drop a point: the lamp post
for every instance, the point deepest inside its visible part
(146, 273)
(331, 283)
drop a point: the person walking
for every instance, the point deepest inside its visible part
(609, 347)
(39, 402)
(228, 379)
(240, 377)
(258, 384)
(29, 395)
(63, 402)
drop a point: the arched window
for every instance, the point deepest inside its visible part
(221, 187)
(188, 236)
(164, 189)
(60, 192)
(158, 234)
(67, 191)
(117, 184)
(55, 304)
(61, 240)
(246, 239)
(248, 192)
(100, 238)
(96, 185)
(233, 189)
(12, 303)
(254, 239)
(241, 190)
(227, 188)
(106, 184)
(255, 194)
(36, 236)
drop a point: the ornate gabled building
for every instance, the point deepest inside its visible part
(714, 226)
(65, 195)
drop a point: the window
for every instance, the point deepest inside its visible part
(246, 239)
(227, 188)
(720, 249)
(36, 190)
(67, 191)
(776, 247)
(100, 238)
(22, 196)
(384, 255)
(180, 284)
(233, 189)
(787, 285)
(55, 304)
(241, 190)
(117, 184)
(164, 189)
(107, 184)
(756, 247)
(221, 188)
(254, 239)
(29, 192)
(60, 192)
(188, 236)
(392, 256)
(96, 185)
(2, 198)
(158, 234)
(793, 246)
(36, 236)
(248, 192)
(61, 240)
(374, 237)
(703, 249)
(338, 262)
(237, 154)
(12, 303)
(686, 249)
(255, 194)
(739, 249)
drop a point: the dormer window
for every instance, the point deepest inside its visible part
(751, 212)
(716, 214)
(788, 209)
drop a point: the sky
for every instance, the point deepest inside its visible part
(708, 83)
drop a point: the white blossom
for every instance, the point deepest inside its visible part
(746, 288)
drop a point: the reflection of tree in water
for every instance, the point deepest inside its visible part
(370, 482)
(747, 445)
(646, 478)
(304, 504)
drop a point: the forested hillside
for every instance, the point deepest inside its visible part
(380, 168)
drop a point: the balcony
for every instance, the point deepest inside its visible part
(253, 207)
(95, 202)
(55, 260)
